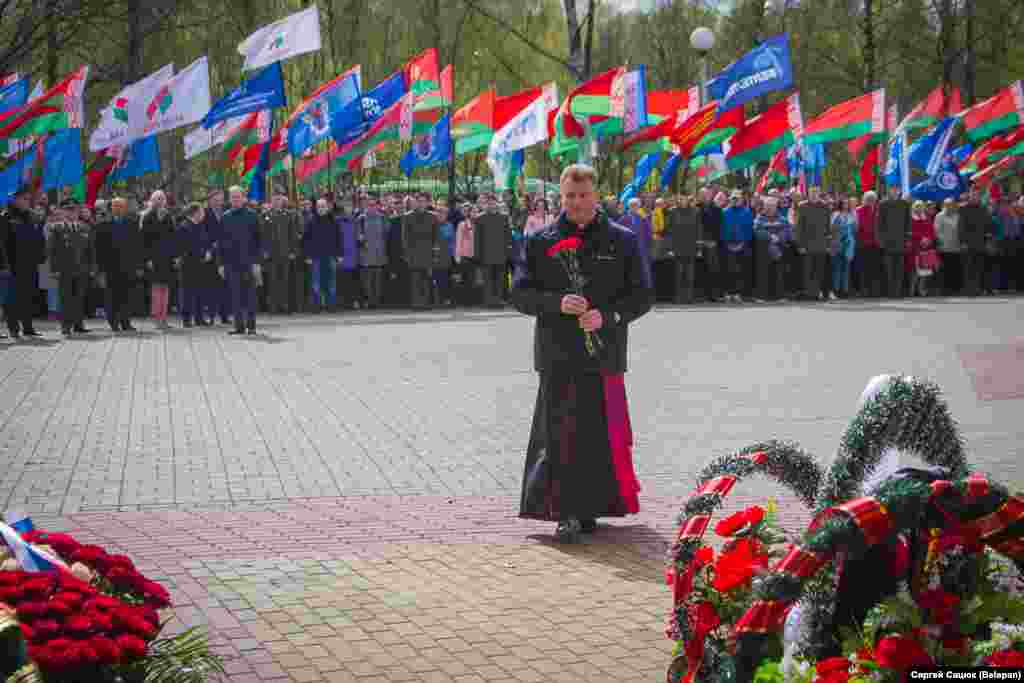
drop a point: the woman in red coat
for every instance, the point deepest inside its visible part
(922, 238)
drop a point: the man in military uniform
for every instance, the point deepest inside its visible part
(373, 228)
(73, 263)
(239, 253)
(813, 235)
(419, 236)
(298, 285)
(277, 235)
(492, 247)
(893, 233)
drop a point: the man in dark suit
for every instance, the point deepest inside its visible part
(976, 226)
(579, 461)
(238, 254)
(118, 243)
(218, 290)
(492, 234)
(812, 234)
(419, 236)
(893, 233)
(684, 230)
(25, 250)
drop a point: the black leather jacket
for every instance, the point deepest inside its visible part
(618, 282)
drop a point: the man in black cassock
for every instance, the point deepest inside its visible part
(579, 462)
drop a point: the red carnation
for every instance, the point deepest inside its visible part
(106, 649)
(27, 632)
(121, 561)
(104, 602)
(121, 576)
(131, 646)
(11, 578)
(37, 588)
(833, 670)
(901, 653)
(54, 656)
(89, 554)
(100, 620)
(34, 536)
(59, 608)
(73, 600)
(30, 611)
(154, 594)
(704, 556)
(737, 566)
(11, 595)
(734, 522)
(1006, 658)
(704, 618)
(899, 557)
(62, 543)
(82, 655)
(937, 599)
(568, 244)
(79, 626)
(45, 629)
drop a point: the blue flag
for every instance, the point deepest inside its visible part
(14, 95)
(814, 163)
(258, 184)
(356, 118)
(265, 90)
(16, 174)
(62, 158)
(313, 122)
(961, 154)
(670, 170)
(644, 168)
(892, 174)
(945, 184)
(433, 148)
(762, 70)
(928, 152)
(139, 158)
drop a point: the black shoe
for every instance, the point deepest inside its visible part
(127, 327)
(237, 330)
(66, 331)
(81, 329)
(187, 323)
(224, 320)
(588, 526)
(568, 531)
(31, 333)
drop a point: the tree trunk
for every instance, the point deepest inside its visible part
(572, 26)
(970, 68)
(868, 28)
(588, 63)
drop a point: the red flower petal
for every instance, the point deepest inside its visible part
(901, 653)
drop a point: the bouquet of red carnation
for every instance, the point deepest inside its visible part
(567, 251)
(97, 621)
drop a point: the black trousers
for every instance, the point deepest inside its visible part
(871, 280)
(122, 298)
(494, 284)
(814, 273)
(733, 271)
(72, 289)
(974, 271)
(712, 284)
(297, 285)
(276, 284)
(892, 270)
(419, 287)
(373, 284)
(685, 272)
(23, 307)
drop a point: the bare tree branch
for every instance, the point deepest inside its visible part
(475, 5)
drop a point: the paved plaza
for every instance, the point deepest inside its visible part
(335, 498)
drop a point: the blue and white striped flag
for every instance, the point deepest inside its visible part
(30, 558)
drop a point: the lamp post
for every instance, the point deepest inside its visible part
(703, 41)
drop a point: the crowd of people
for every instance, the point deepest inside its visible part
(229, 258)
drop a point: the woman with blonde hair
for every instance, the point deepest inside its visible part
(921, 256)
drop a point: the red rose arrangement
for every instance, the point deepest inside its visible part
(567, 252)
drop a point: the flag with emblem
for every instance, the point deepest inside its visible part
(433, 148)
(357, 117)
(264, 90)
(313, 120)
(296, 34)
(113, 128)
(13, 95)
(179, 101)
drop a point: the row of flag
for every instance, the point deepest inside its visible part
(670, 128)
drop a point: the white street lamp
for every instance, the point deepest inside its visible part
(703, 41)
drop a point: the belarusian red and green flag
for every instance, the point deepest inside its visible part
(589, 103)
(422, 74)
(777, 128)
(254, 130)
(777, 172)
(473, 124)
(59, 107)
(1003, 111)
(939, 104)
(864, 115)
(439, 98)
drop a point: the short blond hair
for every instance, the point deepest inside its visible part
(578, 173)
(236, 188)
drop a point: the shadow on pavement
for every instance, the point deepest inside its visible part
(636, 551)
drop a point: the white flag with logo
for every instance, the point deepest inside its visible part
(526, 128)
(179, 101)
(114, 128)
(294, 35)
